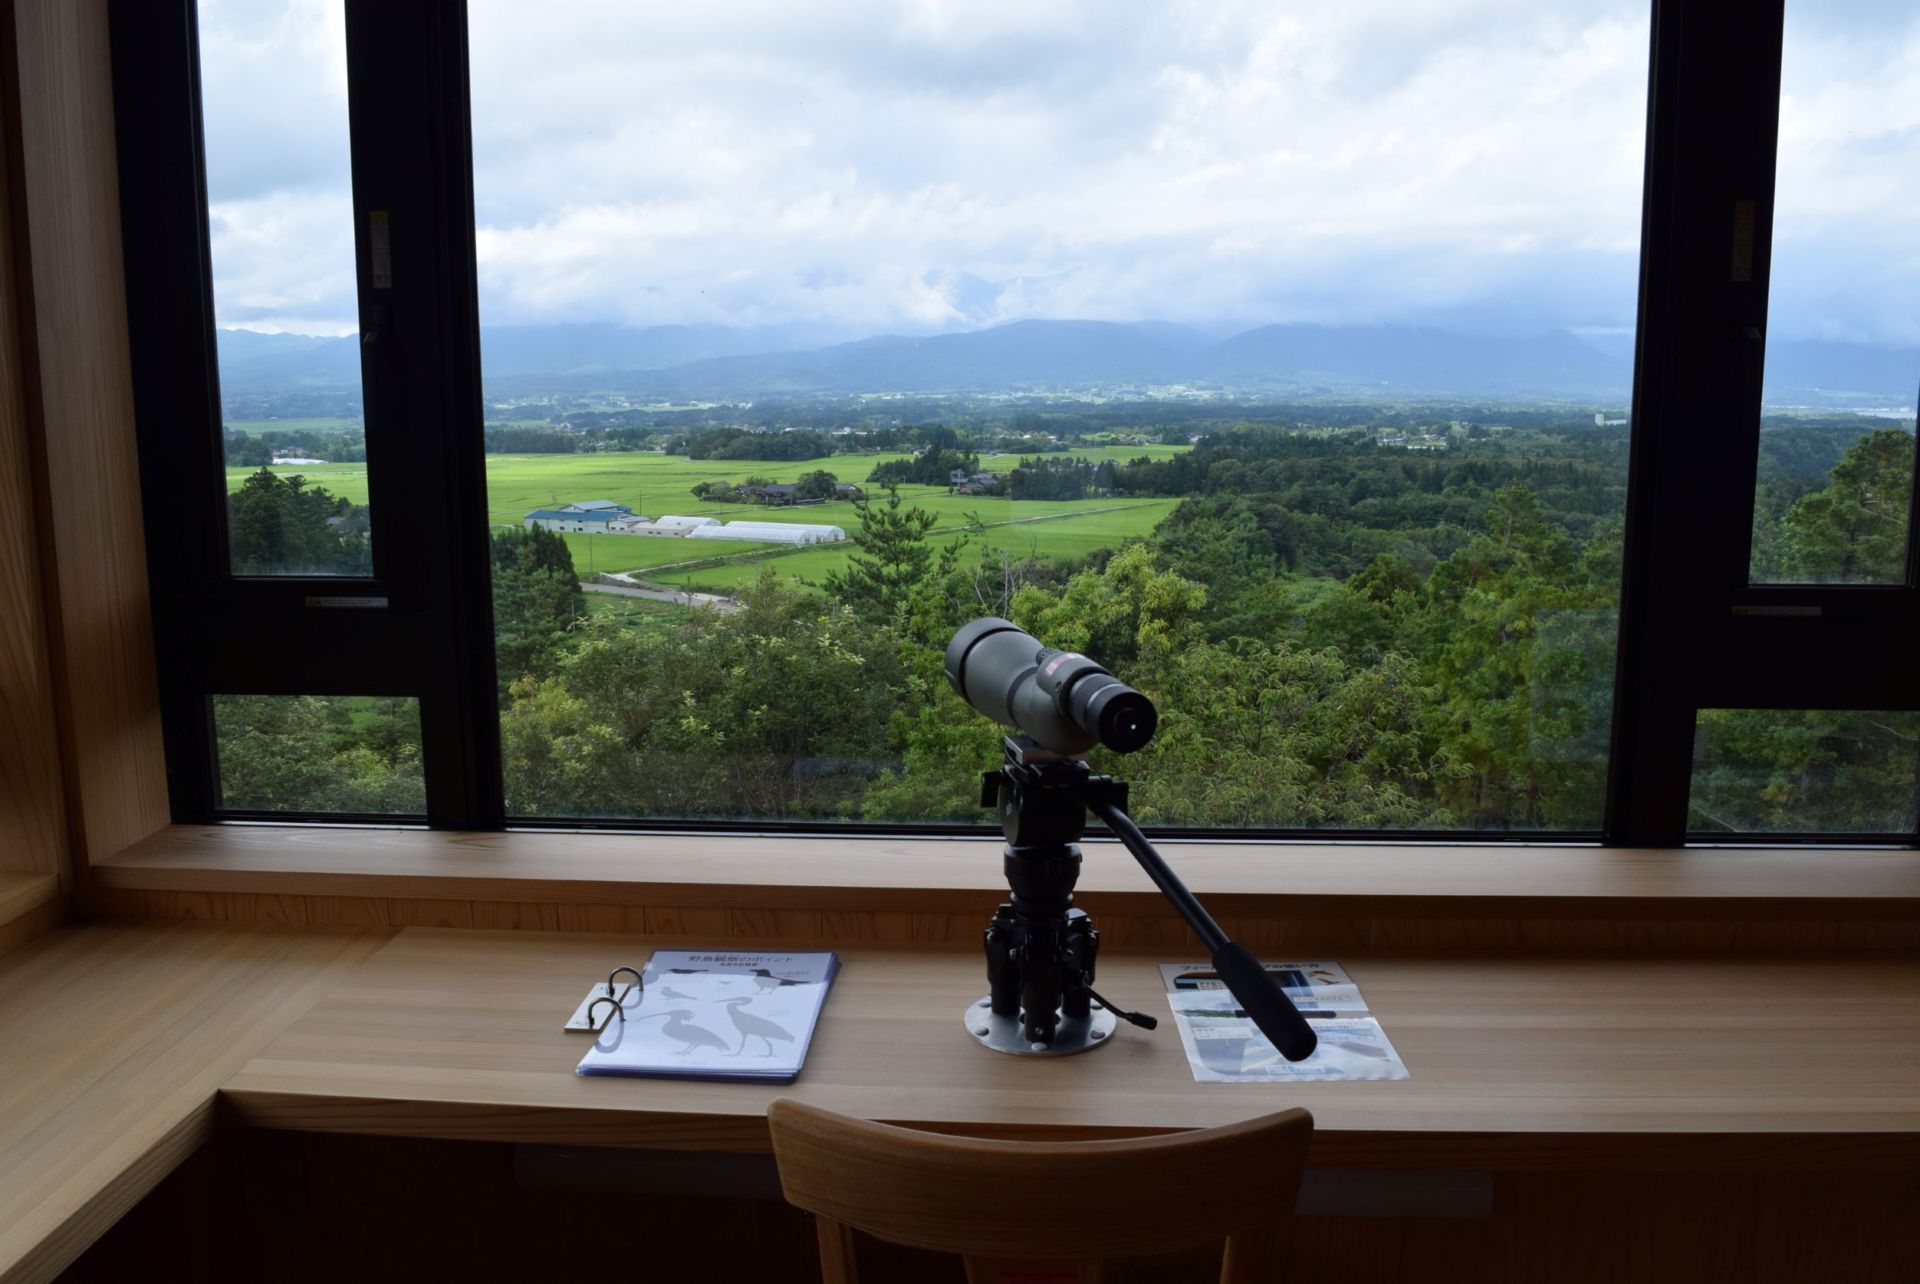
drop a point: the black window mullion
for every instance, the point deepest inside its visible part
(413, 168)
(401, 631)
(1695, 634)
(1713, 117)
(176, 392)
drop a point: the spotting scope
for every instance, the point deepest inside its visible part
(1042, 951)
(1060, 700)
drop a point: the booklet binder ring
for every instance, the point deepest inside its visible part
(618, 1009)
(639, 982)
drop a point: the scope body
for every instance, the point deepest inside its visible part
(1061, 700)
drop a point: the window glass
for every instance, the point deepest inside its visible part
(280, 223)
(1277, 357)
(1843, 336)
(1759, 771)
(358, 755)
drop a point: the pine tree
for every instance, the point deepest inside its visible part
(895, 560)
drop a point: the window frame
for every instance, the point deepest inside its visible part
(1693, 633)
(216, 633)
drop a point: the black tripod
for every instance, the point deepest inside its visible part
(1042, 952)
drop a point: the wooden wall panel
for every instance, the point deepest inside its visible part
(81, 421)
(32, 825)
(282, 1208)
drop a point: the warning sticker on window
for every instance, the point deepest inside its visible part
(380, 244)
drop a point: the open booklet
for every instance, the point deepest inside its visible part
(745, 1018)
(1224, 1046)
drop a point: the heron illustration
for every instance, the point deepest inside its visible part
(752, 1026)
(668, 992)
(679, 1027)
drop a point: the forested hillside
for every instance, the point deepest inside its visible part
(1337, 633)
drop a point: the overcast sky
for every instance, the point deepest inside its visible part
(945, 164)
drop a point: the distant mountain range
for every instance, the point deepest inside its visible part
(708, 363)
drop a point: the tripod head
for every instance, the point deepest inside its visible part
(1042, 796)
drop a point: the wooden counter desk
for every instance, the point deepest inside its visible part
(114, 1040)
(117, 1039)
(1515, 1064)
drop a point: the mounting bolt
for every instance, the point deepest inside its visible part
(984, 1003)
(980, 1030)
(1097, 1035)
(1036, 1046)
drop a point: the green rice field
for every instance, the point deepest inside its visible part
(657, 484)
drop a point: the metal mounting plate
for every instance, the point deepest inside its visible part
(1002, 1033)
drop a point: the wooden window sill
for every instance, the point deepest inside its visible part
(934, 876)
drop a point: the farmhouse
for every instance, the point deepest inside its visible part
(977, 484)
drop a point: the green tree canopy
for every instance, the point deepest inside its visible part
(780, 708)
(537, 602)
(320, 754)
(818, 484)
(281, 526)
(1854, 530)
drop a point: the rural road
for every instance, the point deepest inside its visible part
(664, 595)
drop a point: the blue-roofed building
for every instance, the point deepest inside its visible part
(593, 516)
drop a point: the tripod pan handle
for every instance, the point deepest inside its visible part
(1265, 1001)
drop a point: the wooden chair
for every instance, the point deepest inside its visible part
(1008, 1205)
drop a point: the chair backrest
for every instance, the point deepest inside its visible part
(1074, 1203)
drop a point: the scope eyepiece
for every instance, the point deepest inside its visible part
(1061, 700)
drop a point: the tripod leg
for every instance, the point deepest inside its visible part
(1082, 950)
(1042, 876)
(1003, 968)
(1043, 978)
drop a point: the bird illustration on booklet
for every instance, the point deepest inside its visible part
(744, 1018)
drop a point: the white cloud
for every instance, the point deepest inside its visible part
(279, 183)
(1846, 248)
(925, 164)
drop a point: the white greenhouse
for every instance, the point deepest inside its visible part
(672, 520)
(821, 534)
(758, 534)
